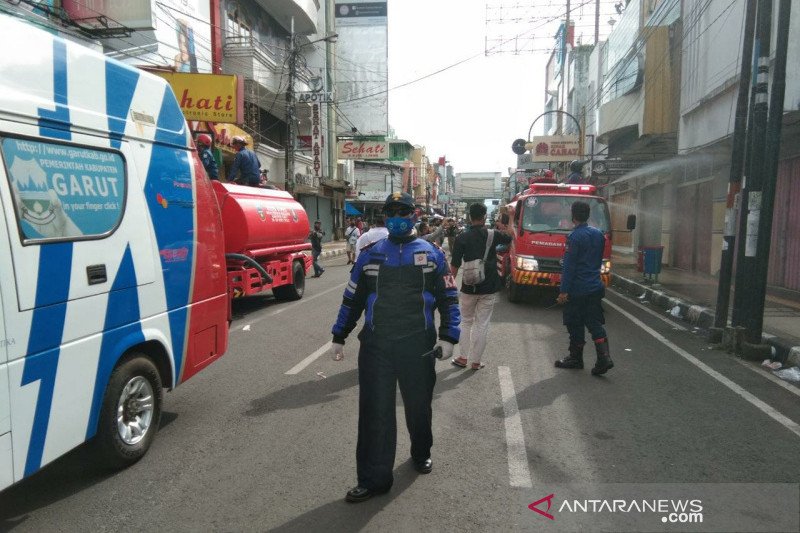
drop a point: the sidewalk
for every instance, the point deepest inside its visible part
(332, 249)
(696, 295)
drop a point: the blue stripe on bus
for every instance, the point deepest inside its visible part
(120, 85)
(122, 327)
(170, 200)
(47, 327)
(54, 123)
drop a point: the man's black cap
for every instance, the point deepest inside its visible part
(399, 198)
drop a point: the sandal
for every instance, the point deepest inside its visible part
(478, 366)
(459, 362)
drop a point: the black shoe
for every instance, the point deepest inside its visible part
(362, 494)
(604, 362)
(424, 467)
(570, 362)
(601, 367)
(574, 359)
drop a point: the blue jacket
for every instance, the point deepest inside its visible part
(209, 163)
(583, 258)
(247, 165)
(399, 281)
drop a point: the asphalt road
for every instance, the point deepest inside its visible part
(244, 446)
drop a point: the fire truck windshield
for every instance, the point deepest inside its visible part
(543, 214)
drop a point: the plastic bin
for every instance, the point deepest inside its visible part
(650, 259)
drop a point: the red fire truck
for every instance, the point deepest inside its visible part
(541, 219)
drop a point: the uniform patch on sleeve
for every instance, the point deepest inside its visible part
(450, 282)
(420, 258)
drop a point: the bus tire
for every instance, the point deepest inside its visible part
(297, 288)
(513, 291)
(130, 413)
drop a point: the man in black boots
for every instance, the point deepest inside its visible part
(582, 292)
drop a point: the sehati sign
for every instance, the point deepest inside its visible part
(363, 150)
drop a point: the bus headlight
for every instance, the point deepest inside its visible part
(606, 267)
(527, 263)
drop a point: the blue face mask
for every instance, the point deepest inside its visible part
(399, 226)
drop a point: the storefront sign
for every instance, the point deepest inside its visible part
(223, 133)
(316, 141)
(363, 150)
(208, 97)
(314, 96)
(555, 148)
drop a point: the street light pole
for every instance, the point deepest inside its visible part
(290, 110)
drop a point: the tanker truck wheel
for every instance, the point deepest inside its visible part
(295, 290)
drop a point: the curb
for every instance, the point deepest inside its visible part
(702, 317)
(331, 253)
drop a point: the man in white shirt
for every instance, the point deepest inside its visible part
(351, 235)
(377, 232)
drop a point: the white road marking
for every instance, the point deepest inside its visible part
(758, 404)
(758, 369)
(518, 473)
(650, 312)
(310, 359)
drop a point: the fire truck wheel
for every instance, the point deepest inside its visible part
(295, 290)
(513, 291)
(131, 412)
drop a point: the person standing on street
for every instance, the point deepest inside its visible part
(351, 235)
(377, 232)
(316, 236)
(477, 301)
(450, 232)
(398, 281)
(246, 168)
(204, 144)
(575, 173)
(582, 292)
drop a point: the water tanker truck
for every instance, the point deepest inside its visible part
(265, 236)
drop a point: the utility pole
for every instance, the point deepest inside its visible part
(330, 68)
(754, 321)
(738, 149)
(290, 110)
(752, 195)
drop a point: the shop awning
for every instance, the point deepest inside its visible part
(350, 210)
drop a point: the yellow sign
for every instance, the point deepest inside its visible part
(208, 97)
(224, 133)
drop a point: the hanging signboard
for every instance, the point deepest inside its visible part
(555, 148)
(316, 141)
(363, 150)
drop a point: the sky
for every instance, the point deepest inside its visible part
(472, 112)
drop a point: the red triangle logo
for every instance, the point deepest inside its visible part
(549, 500)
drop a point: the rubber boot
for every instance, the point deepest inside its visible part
(574, 359)
(604, 362)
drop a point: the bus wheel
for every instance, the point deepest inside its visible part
(130, 413)
(513, 291)
(297, 288)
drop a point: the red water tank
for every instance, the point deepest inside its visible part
(257, 220)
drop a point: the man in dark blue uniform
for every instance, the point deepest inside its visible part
(582, 292)
(204, 143)
(398, 281)
(246, 168)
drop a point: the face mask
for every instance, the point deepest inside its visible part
(399, 226)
